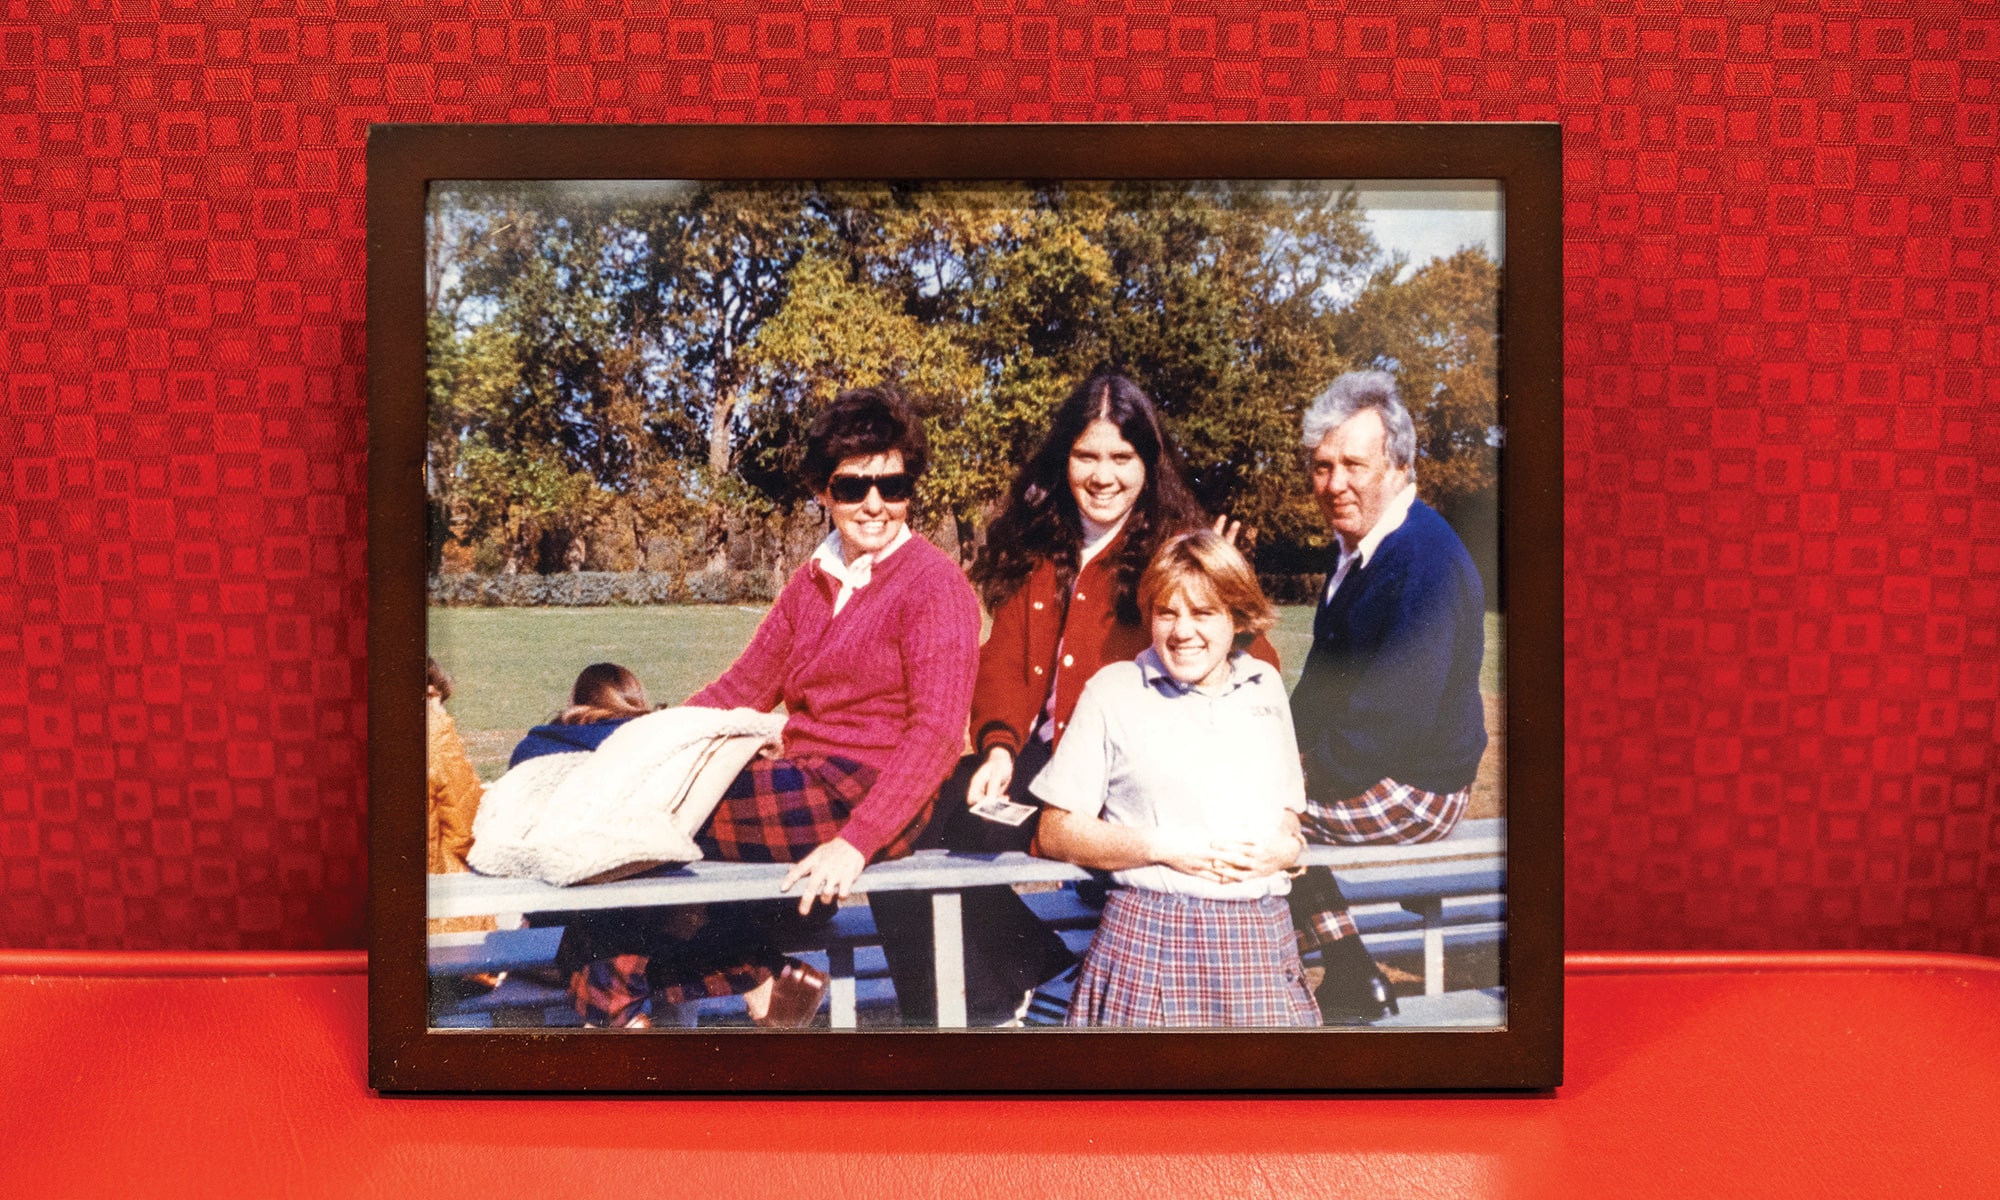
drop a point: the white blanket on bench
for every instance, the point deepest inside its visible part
(632, 804)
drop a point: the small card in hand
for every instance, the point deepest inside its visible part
(1006, 812)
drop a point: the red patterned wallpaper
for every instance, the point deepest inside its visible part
(1783, 398)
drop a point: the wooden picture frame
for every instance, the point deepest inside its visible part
(408, 1054)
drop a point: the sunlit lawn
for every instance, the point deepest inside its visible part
(512, 667)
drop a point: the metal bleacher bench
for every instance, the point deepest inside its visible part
(1420, 878)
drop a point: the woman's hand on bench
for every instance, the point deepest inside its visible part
(828, 872)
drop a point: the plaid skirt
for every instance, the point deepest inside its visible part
(1191, 962)
(615, 991)
(782, 809)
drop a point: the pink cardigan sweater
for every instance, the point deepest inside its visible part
(887, 683)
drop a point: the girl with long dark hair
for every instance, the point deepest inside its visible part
(1059, 573)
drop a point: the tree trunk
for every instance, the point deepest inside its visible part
(718, 435)
(718, 537)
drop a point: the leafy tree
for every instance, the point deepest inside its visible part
(647, 356)
(838, 331)
(713, 268)
(1438, 332)
(1028, 307)
(516, 444)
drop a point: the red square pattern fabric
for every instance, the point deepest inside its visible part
(1782, 395)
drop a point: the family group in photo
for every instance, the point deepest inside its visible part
(1125, 713)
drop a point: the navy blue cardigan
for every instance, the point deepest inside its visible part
(1390, 689)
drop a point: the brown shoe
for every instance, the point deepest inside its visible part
(795, 995)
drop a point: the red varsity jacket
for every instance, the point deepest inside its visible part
(1019, 657)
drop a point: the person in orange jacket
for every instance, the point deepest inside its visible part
(453, 791)
(451, 783)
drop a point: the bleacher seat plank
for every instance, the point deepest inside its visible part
(496, 950)
(465, 894)
(469, 894)
(1401, 885)
(1463, 1009)
(1418, 877)
(1470, 839)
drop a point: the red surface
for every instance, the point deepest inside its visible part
(1782, 398)
(1746, 1075)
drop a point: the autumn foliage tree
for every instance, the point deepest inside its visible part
(1437, 328)
(635, 364)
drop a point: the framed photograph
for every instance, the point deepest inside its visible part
(965, 608)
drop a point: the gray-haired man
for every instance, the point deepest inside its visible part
(1387, 708)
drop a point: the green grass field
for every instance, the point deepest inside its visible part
(512, 667)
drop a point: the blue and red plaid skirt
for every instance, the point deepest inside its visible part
(1191, 962)
(775, 810)
(647, 961)
(782, 809)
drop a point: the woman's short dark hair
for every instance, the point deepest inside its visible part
(861, 423)
(604, 692)
(1041, 522)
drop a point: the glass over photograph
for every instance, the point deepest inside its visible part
(965, 605)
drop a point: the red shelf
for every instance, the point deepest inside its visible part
(1689, 1074)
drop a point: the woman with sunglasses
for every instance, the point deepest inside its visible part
(872, 646)
(1060, 573)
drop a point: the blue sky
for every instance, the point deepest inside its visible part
(1427, 219)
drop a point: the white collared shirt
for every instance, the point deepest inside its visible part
(1146, 750)
(1391, 520)
(853, 576)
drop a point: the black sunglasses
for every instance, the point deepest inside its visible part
(853, 489)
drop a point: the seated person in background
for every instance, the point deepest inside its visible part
(453, 785)
(604, 697)
(454, 793)
(1179, 774)
(609, 956)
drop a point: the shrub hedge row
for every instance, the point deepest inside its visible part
(598, 589)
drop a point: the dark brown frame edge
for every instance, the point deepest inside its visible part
(406, 1056)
